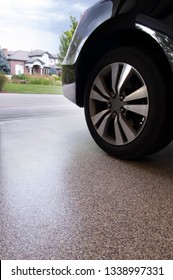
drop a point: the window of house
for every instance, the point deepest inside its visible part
(19, 69)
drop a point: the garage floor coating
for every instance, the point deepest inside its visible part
(61, 197)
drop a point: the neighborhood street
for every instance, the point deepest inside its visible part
(62, 197)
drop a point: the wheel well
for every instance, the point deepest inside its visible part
(97, 45)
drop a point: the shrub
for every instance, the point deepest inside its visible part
(19, 77)
(36, 79)
(41, 80)
(57, 78)
(59, 83)
(3, 80)
(46, 81)
(52, 71)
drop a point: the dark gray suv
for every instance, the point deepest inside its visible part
(119, 67)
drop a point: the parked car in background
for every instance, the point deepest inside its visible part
(119, 67)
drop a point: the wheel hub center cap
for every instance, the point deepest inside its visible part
(116, 104)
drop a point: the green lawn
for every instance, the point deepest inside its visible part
(29, 88)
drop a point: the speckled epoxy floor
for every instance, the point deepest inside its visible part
(61, 197)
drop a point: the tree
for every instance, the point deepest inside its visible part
(4, 66)
(65, 39)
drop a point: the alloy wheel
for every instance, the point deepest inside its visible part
(119, 103)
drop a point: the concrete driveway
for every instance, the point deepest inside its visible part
(61, 197)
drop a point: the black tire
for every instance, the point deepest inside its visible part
(126, 104)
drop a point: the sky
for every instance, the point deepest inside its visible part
(37, 24)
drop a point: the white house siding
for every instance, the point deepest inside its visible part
(45, 59)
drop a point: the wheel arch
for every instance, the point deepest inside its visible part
(97, 45)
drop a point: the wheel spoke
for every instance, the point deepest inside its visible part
(138, 94)
(97, 117)
(118, 135)
(104, 125)
(138, 109)
(124, 75)
(127, 129)
(99, 83)
(97, 96)
(114, 74)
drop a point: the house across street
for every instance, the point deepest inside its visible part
(31, 62)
